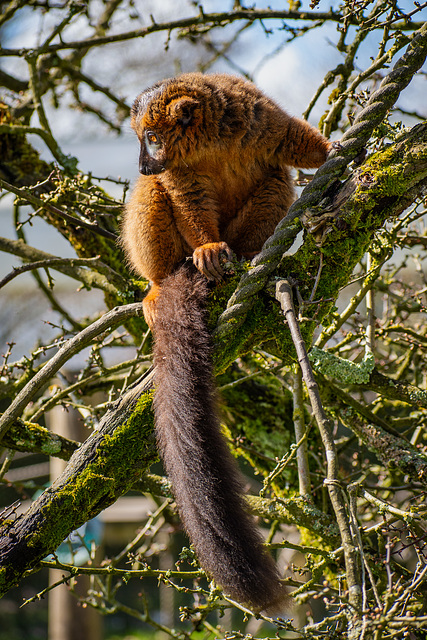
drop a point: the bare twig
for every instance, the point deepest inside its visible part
(193, 22)
(300, 432)
(367, 284)
(102, 277)
(370, 310)
(44, 264)
(284, 295)
(27, 196)
(111, 319)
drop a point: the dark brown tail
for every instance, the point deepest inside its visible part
(204, 476)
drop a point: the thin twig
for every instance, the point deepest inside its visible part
(110, 319)
(101, 277)
(370, 310)
(210, 19)
(44, 264)
(284, 296)
(300, 431)
(27, 196)
(368, 282)
(141, 534)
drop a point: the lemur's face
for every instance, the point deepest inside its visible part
(166, 128)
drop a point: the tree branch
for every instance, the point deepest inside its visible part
(29, 197)
(209, 20)
(93, 486)
(102, 277)
(393, 451)
(72, 346)
(32, 438)
(101, 470)
(336, 494)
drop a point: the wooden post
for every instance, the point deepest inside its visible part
(67, 620)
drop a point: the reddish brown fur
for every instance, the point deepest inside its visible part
(221, 174)
(204, 475)
(215, 158)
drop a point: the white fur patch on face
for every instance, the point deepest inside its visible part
(144, 99)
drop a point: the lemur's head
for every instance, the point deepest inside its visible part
(166, 119)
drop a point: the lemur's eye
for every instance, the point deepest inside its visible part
(152, 138)
(152, 142)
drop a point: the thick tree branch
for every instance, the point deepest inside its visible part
(106, 465)
(113, 458)
(103, 468)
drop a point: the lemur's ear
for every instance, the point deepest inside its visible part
(183, 110)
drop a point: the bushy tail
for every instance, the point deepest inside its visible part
(204, 476)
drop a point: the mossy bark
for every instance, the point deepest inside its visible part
(32, 438)
(384, 186)
(104, 467)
